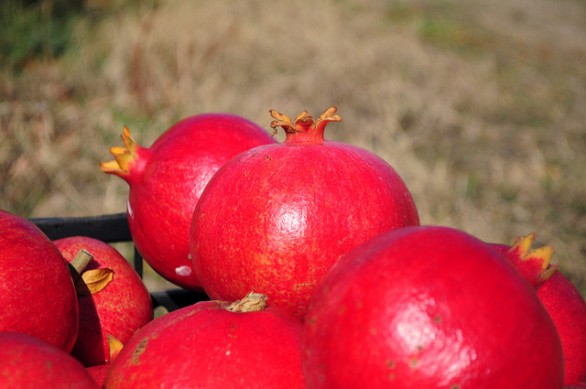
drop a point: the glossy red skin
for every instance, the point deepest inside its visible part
(167, 180)
(429, 307)
(567, 308)
(120, 309)
(29, 362)
(276, 218)
(206, 346)
(37, 295)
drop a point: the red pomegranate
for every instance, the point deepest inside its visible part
(113, 301)
(167, 179)
(559, 296)
(29, 362)
(37, 295)
(213, 344)
(428, 307)
(275, 218)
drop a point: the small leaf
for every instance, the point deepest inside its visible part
(93, 281)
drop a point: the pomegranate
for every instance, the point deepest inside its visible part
(36, 290)
(428, 307)
(275, 218)
(113, 301)
(214, 344)
(29, 362)
(559, 296)
(167, 179)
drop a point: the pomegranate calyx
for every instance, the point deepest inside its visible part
(123, 156)
(542, 255)
(550, 271)
(253, 302)
(304, 123)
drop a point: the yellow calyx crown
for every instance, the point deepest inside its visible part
(522, 246)
(123, 156)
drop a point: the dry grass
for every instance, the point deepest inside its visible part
(480, 106)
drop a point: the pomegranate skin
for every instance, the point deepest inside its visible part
(118, 310)
(428, 307)
(276, 218)
(567, 308)
(166, 180)
(98, 373)
(37, 295)
(206, 346)
(29, 362)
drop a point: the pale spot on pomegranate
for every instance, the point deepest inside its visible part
(292, 220)
(129, 208)
(183, 271)
(413, 362)
(414, 325)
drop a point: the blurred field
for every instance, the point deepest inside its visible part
(480, 106)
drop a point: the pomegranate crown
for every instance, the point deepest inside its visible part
(541, 255)
(123, 156)
(304, 122)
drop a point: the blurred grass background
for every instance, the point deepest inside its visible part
(480, 106)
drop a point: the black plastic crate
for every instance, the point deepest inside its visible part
(114, 229)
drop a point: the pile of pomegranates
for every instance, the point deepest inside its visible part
(317, 270)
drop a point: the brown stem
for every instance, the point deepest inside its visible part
(79, 263)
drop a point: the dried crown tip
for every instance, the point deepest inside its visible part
(251, 303)
(523, 244)
(544, 253)
(304, 120)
